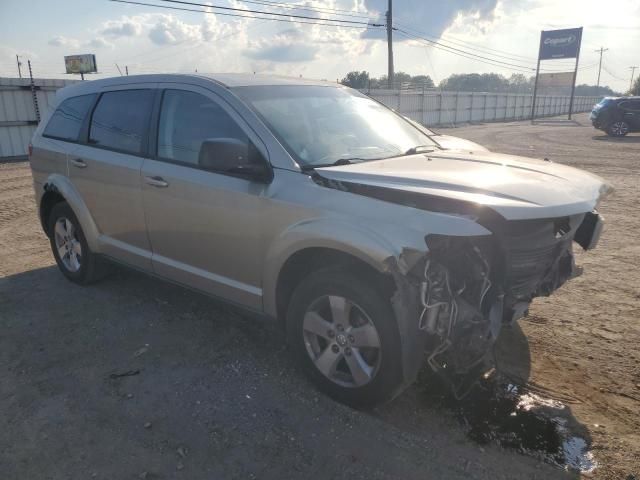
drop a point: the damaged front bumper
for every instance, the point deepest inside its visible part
(452, 303)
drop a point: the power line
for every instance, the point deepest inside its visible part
(321, 23)
(325, 10)
(465, 54)
(190, 47)
(612, 75)
(262, 12)
(474, 56)
(501, 54)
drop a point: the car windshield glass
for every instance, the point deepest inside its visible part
(604, 102)
(323, 125)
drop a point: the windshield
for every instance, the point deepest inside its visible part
(604, 101)
(324, 125)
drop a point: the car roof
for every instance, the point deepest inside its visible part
(225, 80)
(619, 99)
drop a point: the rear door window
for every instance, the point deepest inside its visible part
(66, 121)
(120, 120)
(632, 105)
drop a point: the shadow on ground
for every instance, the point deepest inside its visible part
(625, 139)
(558, 122)
(136, 378)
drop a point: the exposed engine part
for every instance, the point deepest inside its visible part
(460, 316)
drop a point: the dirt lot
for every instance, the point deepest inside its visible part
(134, 378)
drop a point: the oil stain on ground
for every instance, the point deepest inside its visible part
(499, 412)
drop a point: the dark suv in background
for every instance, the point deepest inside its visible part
(617, 116)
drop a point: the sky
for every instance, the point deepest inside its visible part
(152, 40)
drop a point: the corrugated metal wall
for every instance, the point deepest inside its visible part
(433, 107)
(17, 113)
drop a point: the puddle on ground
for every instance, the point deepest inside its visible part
(500, 412)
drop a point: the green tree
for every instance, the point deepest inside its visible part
(592, 90)
(474, 82)
(518, 83)
(423, 80)
(356, 79)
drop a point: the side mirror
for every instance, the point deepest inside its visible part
(230, 155)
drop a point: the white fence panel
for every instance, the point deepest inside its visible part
(18, 118)
(431, 107)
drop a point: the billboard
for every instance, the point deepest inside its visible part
(560, 43)
(81, 63)
(559, 79)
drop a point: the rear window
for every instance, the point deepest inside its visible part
(633, 105)
(120, 120)
(67, 120)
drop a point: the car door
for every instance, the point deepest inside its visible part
(105, 169)
(204, 226)
(631, 113)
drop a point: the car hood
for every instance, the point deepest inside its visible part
(515, 187)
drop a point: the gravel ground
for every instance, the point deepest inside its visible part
(135, 378)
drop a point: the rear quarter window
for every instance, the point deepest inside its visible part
(66, 121)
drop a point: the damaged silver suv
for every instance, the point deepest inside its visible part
(380, 244)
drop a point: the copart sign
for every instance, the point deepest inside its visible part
(560, 43)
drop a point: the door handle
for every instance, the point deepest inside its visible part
(79, 163)
(156, 182)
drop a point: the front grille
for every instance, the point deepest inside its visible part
(527, 268)
(537, 255)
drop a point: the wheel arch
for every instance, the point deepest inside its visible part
(315, 244)
(309, 259)
(59, 188)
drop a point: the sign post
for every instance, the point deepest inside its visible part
(557, 44)
(535, 84)
(575, 74)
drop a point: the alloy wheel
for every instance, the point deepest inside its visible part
(68, 244)
(342, 341)
(619, 129)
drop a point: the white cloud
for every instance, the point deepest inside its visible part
(169, 41)
(170, 30)
(289, 46)
(126, 27)
(61, 41)
(99, 42)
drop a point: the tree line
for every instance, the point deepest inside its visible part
(464, 82)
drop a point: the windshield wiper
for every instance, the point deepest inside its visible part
(341, 161)
(420, 149)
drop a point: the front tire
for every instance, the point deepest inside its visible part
(344, 335)
(69, 246)
(618, 128)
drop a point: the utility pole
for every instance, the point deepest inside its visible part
(390, 73)
(633, 70)
(602, 50)
(19, 65)
(126, 69)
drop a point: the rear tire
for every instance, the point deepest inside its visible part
(618, 129)
(75, 259)
(344, 335)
